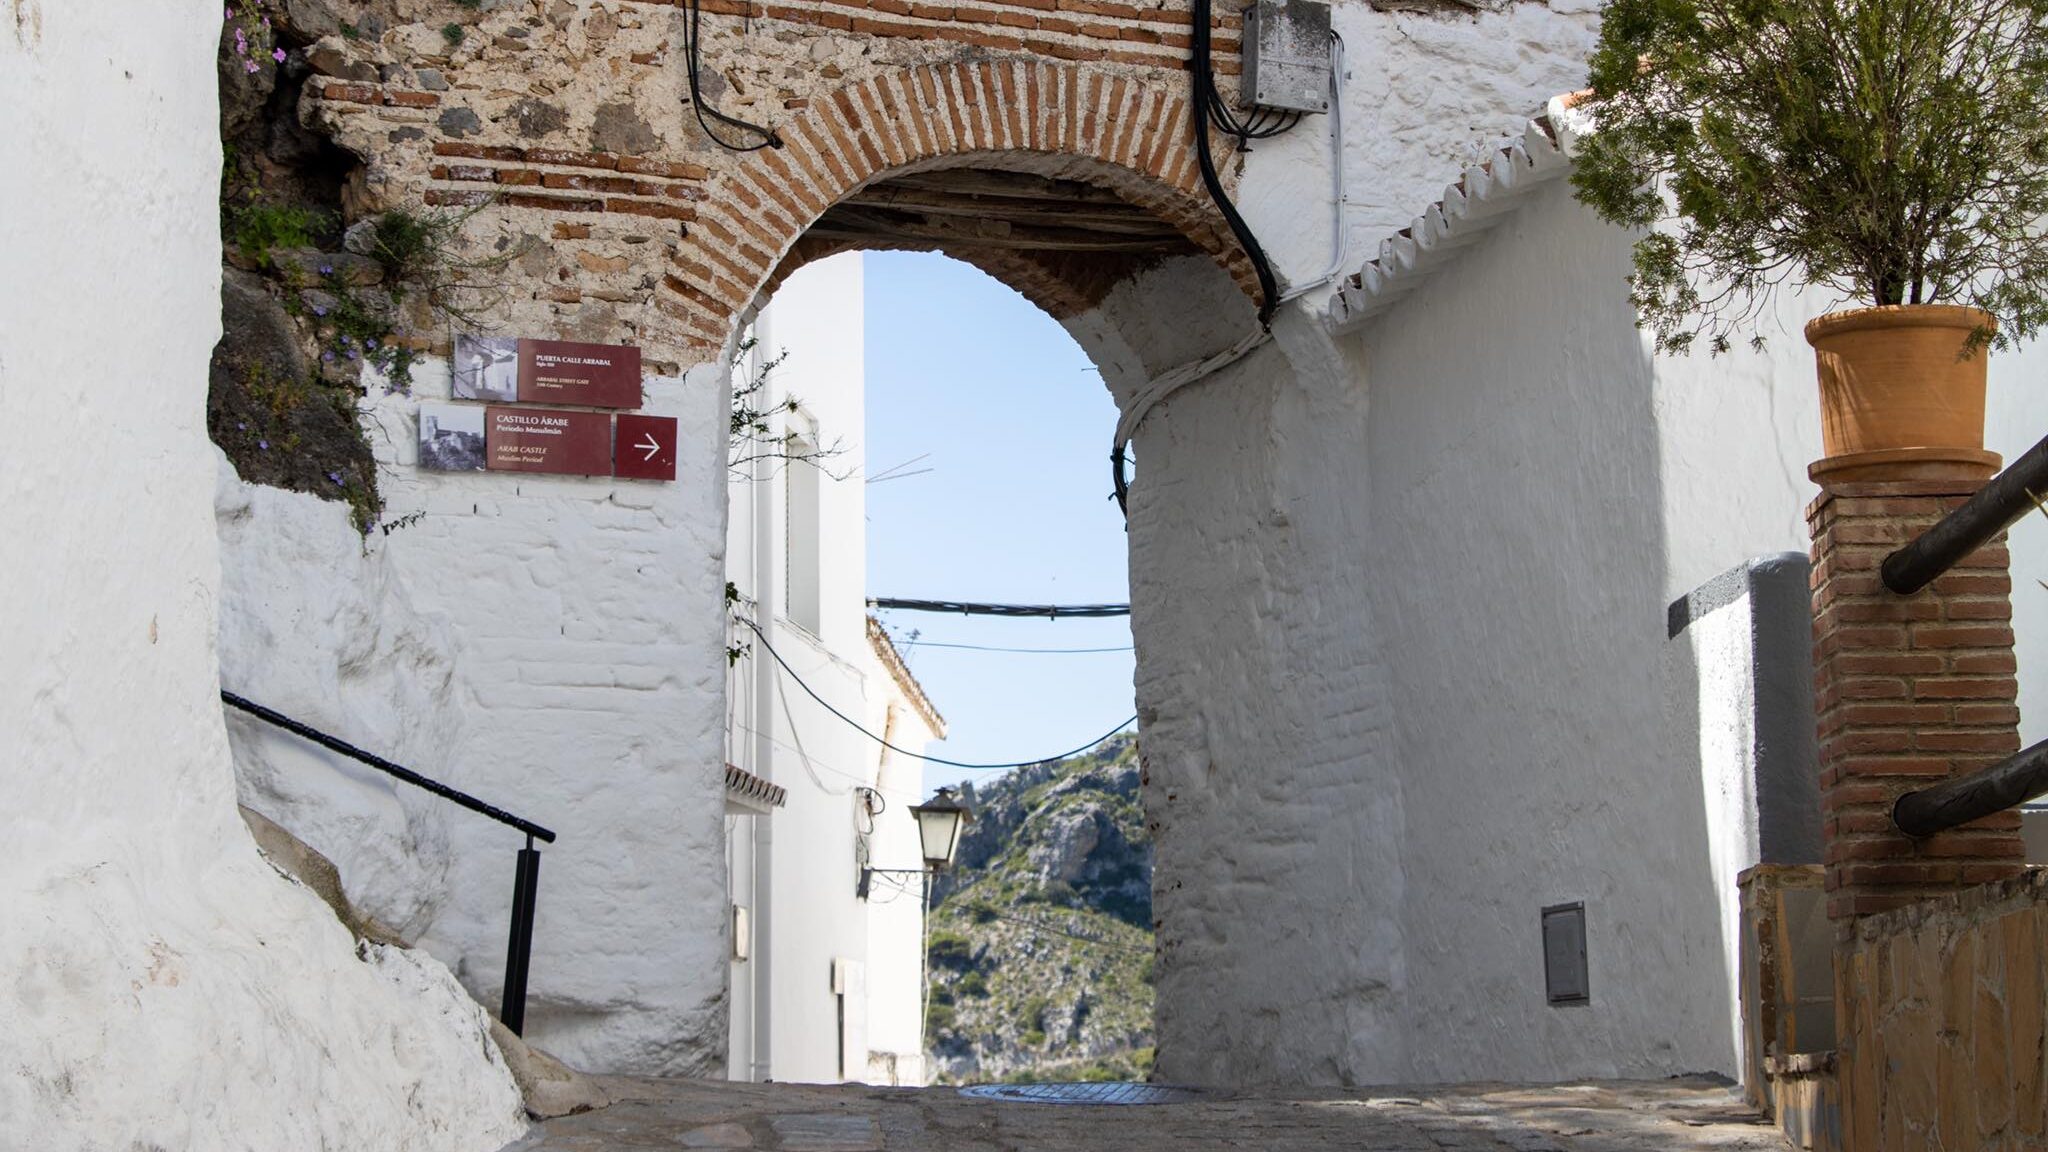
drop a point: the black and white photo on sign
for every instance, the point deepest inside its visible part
(486, 368)
(451, 437)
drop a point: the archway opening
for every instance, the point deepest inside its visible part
(1033, 958)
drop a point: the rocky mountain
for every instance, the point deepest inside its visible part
(1041, 935)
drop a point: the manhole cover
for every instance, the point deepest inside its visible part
(1082, 1093)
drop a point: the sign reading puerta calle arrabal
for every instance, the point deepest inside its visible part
(505, 436)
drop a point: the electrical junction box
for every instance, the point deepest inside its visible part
(1286, 56)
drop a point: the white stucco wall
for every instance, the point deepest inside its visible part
(1262, 697)
(1424, 92)
(801, 870)
(162, 985)
(1541, 494)
(456, 645)
(1543, 489)
(314, 626)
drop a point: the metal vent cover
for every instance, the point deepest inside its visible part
(1082, 1093)
(1564, 954)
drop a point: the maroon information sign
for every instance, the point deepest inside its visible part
(562, 372)
(547, 440)
(645, 448)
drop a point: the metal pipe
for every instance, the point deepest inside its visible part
(407, 775)
(2003, 500)
(1985, 792)
(519, 947)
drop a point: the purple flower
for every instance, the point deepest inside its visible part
(327, 269)
(327, 356)
(263, 444)
(351, 354)
(241, 426)
(278, 55)
(231, 14)
(346, 340)
(249, 65)
(369, 343)
(334, 476)
(319, 311)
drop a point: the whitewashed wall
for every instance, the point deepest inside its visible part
(1543, 489)
(800, 874)
(162, 985)
(457, 644)
(1424, 93)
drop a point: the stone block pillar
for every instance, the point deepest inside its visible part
(1908, 690)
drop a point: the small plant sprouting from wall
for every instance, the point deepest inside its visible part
(246, 32)
(261, 227)
(753, 434)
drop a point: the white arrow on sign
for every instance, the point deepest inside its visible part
(652, 445)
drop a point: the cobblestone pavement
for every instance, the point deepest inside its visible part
(1662, 1116)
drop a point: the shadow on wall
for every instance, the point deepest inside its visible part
(1549, 734)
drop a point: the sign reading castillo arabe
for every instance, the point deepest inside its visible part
(547, 440)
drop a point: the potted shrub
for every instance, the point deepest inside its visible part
(1893, 151)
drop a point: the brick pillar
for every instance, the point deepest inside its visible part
(1908, 690)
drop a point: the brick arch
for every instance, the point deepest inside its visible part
(1121, 129)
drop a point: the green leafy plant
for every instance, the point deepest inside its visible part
(421, 252)
(453, 33)
(260, 227)
(1894, 151)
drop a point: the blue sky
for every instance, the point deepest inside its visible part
(1014, 424)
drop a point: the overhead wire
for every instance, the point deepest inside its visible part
(914, 644)
(970, 608)
(858, 727)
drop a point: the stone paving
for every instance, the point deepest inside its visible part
(1680, 1115)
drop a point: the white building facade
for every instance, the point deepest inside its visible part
(830, 986)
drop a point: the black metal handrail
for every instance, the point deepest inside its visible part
(526, 879)
(1996, 506)
(1985, 792)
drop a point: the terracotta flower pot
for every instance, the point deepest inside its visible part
(1898, 401)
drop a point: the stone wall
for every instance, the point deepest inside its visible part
(163, 986)
(1940, 1012)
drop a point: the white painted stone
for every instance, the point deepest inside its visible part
(162, 985)
(313, 626)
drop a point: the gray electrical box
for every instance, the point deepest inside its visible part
(1564, 954)
(1286, 56)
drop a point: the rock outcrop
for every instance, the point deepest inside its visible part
(1041, 948)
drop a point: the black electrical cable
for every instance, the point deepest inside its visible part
(1206, 101)
(958, 608)
(856, 725)
(691, 36)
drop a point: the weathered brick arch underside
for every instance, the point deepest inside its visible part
(1128, 134)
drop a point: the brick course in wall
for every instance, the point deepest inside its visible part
(1909, 690)
(659, 237)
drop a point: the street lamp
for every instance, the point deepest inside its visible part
(939, 821)
(938, 825)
